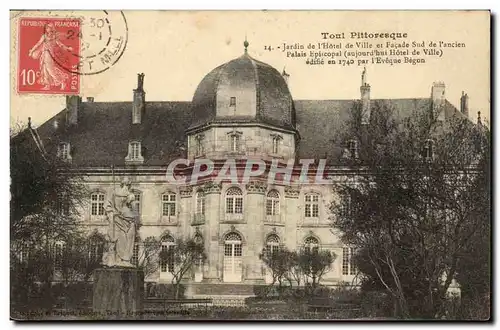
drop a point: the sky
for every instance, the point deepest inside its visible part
(175, 50)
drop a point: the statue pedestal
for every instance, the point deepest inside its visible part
(118, 292)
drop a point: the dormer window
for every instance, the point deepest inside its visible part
(352, 147)
(428, 150)
(63, 151)
(232, 101)
(134, 152)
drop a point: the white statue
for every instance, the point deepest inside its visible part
(122, 227)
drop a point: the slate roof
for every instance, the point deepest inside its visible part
(105, 128)
(273, 99)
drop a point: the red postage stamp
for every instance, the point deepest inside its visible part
(49, 54)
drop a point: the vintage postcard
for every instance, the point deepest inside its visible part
(276, 165)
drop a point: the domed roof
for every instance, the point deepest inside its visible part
(243, 90)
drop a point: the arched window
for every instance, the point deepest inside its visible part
(311, 209)
(232, 258)
(311, 244)
(168, 201)
(200, 202)
(97, 204)
(272, 244)
(273, 203)
(234, 201)
(167, 261)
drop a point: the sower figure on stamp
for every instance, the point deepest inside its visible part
(44, 50)
(122, 227)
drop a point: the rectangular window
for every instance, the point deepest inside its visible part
(276, 143)
(346, 206)
(62, 207)
(348, 266)
(168, 205)
(311, 206)
(58, 256)
(97, 204)
(137, 203)
(353, 149)
(235, 143)
(135, 255)
(135, 150)
(63, 151)
(232, 101)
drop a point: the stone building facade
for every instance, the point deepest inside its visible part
(241, 110)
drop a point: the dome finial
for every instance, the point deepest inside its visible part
(246, 43)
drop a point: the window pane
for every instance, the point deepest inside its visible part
(315, 210)
(345, 261)
(238, 205)
(269, 207)
(229, 205)
(353, 268)
(237, 250)
(276, 208)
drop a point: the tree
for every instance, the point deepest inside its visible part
(412, 207)
(183, 256)
(148, 258)
(279, 262)
(314, 264)
(45, 196)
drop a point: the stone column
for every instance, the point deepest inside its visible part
(211, 238)
(292, 216)
(254, 217)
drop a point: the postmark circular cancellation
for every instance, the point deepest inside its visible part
(103, 39)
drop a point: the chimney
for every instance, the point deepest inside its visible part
(365, 99)
(139, 102)
(464, 104)
(438, 99)
(286, 76)
(90, 99)
(72, 107)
